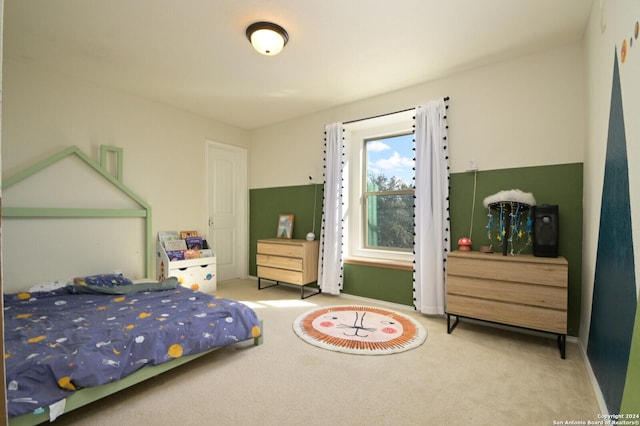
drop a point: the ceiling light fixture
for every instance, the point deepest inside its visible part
(267, 38)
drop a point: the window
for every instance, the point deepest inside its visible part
(388, 195)
(379, 187)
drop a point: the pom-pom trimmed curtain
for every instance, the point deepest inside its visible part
(330, 267)
(431, 208)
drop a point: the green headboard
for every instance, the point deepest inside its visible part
(141, 210)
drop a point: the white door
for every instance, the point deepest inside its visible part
(227, 208)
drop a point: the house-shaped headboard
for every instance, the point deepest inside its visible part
(68, 216)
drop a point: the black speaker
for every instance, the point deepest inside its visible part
(546, 230)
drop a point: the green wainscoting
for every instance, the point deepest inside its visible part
(266, 204)
(390, 285)
(556, 184)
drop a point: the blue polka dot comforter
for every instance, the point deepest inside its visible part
(60, 341)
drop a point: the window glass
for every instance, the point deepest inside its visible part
(388, 197)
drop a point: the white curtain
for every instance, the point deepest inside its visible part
(330, 268)
(431, 208)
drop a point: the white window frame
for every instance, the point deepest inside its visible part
(355, 135)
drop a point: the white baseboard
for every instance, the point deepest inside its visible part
(594, 382)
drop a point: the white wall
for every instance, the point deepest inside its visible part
(606, 30)
(524, 112)
(164, 148)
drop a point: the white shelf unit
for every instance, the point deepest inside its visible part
(196, 274)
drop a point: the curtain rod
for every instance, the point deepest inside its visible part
(446, 98)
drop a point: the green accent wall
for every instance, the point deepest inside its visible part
(390, 285)
(266, 204)
(556, 184)
(631, 395)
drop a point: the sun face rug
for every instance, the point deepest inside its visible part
(359, 330)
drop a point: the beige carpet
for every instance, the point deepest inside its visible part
(478, 375)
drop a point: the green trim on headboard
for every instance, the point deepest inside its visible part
(104, 158)
(37, 212)
(70, 212)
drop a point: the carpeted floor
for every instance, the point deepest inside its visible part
(478, 375)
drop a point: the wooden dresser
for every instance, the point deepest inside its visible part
(288, 261)
(523, 291)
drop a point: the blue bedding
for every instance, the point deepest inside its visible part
(60, 341)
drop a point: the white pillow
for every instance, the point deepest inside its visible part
(49, 285)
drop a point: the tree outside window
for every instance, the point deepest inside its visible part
(388, 198)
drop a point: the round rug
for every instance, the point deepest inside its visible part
(360, 330)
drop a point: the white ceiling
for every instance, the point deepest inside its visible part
(194, 55)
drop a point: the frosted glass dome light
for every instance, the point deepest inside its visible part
(267, 38)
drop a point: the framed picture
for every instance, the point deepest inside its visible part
(285, 226)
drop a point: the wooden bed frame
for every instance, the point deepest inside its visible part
(143, 210)
(88, 395)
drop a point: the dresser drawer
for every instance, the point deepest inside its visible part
(552, 272)
(289, 250)
(283, 275)
(513, 292)
(551, 320)
(291, 263)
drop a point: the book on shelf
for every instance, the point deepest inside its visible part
(206, 253)
(191, 254)
(173, 245)
(194, 243)
(168, 236)
(186, 234)
(175, 255)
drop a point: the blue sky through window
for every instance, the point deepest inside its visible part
(392, 157)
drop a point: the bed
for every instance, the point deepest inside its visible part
(71, 342)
